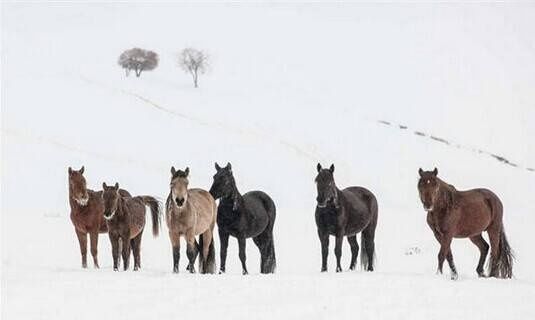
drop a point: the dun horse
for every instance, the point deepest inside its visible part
(249, 216)
(466, 214)
(190, 212)
(87, 210)
(345, 213)
(125, 218)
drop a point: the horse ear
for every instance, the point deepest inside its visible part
(186, 171)
(173, 170)
(116, 185)
(104, 185)
(70, 170)
(435, 172)
(318, 167)
(331, 168)
(229, 166)
(420, 172)
(82, 170)
(217, 167)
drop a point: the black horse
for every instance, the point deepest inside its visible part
(345, 213)
(249, 216)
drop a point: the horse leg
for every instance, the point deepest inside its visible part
(241, 253)
(115, 247)
(354, 250)
(191, 251)
(82, 240)
(136, 250)
(223, 237)
(324, 239)
(338, 251)
(93, 236)
(207, 238)
(483, 247)
(445, 252)
(126, 251)
(175, 243)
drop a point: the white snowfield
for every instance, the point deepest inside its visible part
(290, 85)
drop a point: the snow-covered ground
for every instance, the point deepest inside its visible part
(290, 85)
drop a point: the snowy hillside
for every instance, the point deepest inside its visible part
(290, 85)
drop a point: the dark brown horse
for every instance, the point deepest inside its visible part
(87, 209)
(125, 218)
(466, 214)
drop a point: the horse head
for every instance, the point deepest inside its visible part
(429, 187)
(327, 191)
(111, 196)
(179, 186)
(78, 186)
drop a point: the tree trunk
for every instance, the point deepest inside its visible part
(127, 71)
(195, 80)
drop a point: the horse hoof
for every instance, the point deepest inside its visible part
(454, 276)
(115, 269)
(136, 269)
(221, 271)
(175, 270)
(244, 272)
(96, 266)
(338, 269)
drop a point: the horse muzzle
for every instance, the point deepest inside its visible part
(179, 201)
(82, 201)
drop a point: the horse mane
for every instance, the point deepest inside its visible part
(447, 196)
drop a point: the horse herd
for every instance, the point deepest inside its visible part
(192, 214)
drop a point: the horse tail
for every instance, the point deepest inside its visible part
(367, 237)
(505, 257)
(268, 262)
(155, 210)
(206, 265)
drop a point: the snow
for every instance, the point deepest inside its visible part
(289, 85)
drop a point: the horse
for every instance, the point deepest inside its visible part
(125, 218)
(191, 212)
(345, 213)
(466, 214)
(249, 216)
(87, 209)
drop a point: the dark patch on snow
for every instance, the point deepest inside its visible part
(418, 133)
(530, 169)
(502, 159)
(385, 122)
(440, 140)
(402, 127)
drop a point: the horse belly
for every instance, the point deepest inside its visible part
(472, 222)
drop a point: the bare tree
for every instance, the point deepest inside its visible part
(194, 62)
(138, 60)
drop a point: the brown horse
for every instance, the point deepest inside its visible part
(190, 212)
(466, 214)
(125, 218)
(87, 210)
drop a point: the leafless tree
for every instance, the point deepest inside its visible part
(194, 62)
(138, 60)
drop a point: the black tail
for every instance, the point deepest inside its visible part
(269, 261)
(155, 210)
(367, 237)
(505, 258)
(206, 265)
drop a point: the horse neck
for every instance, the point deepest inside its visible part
(446, 195)
(121, 207)
(234, 196)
